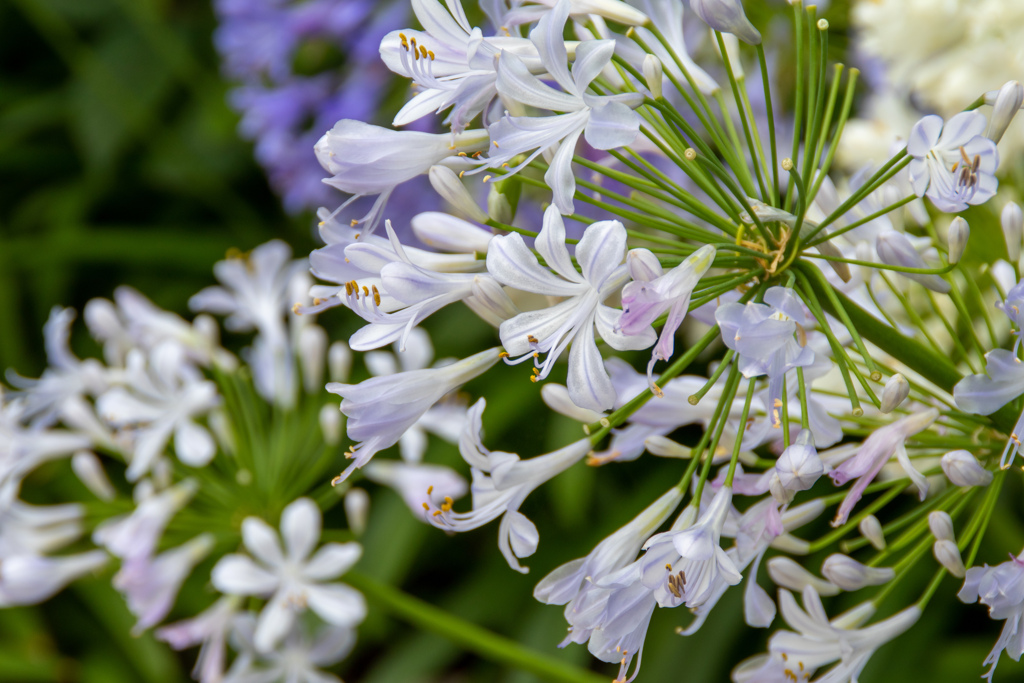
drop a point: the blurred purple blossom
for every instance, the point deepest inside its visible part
(285, 112)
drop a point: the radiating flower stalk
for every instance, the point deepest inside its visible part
(810, 324)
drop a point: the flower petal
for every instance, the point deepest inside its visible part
(300, 528)
(239, 575)
(337, 604)
(262, 541)
(331, 561)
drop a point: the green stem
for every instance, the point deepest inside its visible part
(484, 643)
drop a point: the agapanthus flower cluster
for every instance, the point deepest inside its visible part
(819, 313)
(172, 436)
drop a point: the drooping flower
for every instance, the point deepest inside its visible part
(381, 409)
(954, 163)
(501, 482)
(572, 321)
(874, 453)
(727, 16)
(652, 293)
(292, 580)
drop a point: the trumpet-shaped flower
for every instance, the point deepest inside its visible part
(452, 62)
(381, 409)
(366, 160)
(652, 293)
(292, 580)
(606, 121)
(550, 330)
(819, 641)
(954, 163)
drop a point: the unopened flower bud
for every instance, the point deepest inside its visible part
(1006, 105)
(959, 233)
(871, 529)
(895, 249)
(357, 509)
(447, 183)
(1012, 220)
(941, 525)
(448, 233)
(665, 447)
(727, 16)
(499, 205)
(339, 361)
(312, 348)
(330, 423)
(896, 390)
(963, 469)
(851, 575)
(799, 465)
(88, 468)
(786, 573)
(948, 555)
(653, 75)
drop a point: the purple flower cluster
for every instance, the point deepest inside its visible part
(284, 112)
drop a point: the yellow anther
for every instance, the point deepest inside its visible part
(503, 354)
(494, 142)
(486, 178)
(423, 52)
(426, 507)
(295, 309)
(376, 296)
(353, 223)
(430, 489)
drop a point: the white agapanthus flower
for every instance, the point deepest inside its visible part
(954, 163)
(1001, 588)
(600, 254)
(299, 658)
(291, 579)
(605, 121)
(162, 397)
(501, 482)
(381, 409)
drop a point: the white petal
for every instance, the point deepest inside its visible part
(239, 575)
(924, 135)
(592, 57)
(612, 125)
(511, 263)
(550, 245)
(274, 622)
(589, 385)
(331, 561)
(262, 541)
(516, 83)
(559, 175)
(300, 528)
(337, 604)
(547, 38)
(193, 444)
(601, 251)
(523, 534)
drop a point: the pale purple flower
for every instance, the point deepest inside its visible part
(820, 641)
(702, 560)
(874, 453)
(764, 336)
(31, 579)
(1001, 588)
(291, 579)
(381, 409)
(150, 585)
(953, 162)
(600, 254)
(298, 659)
(727, 16)
(606, 121)
(163, 396)
(367, 160)
(421, 486)
(501, 482)
(985, 394)
(137, 534)
(209, 629)
(652, 293)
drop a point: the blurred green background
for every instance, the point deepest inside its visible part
(120, 164)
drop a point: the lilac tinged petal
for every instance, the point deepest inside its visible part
(923, 135)
(592, 57)
(985, 394)
(601, 251)
(517, 83)
(511, 263)
(559, 175)
(961, 128)
(547, 38)
(589, 385)
(611, 125)
(550, 245)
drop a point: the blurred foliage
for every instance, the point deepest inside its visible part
(120, 164)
